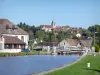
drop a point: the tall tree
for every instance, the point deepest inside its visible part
(95, 29)
(40, 35)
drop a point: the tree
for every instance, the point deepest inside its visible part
(48, 37)
(85, 34)
(33, 28)
(31, 34)
(95, 30)
(63, 35)
(40, 35)
(97, 49)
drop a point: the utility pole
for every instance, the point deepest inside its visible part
(94, 34)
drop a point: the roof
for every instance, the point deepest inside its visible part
(50, 44)
(72, 42)
(75, 42)
(38, 47)
(12, 40)
(58, 29)
(49, 26)
(86, 43)
(4, 23)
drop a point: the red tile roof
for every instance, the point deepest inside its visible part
(73, 42)
(12, 40)
(49, 26)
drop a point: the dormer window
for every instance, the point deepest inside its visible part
(14, 27)
(7, 26)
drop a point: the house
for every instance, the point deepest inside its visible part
(48, 28)
(12, 38)
(75, 44)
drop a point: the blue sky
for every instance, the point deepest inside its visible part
(76, 13)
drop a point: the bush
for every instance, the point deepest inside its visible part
(3, 54)
(97, 49)
(33, 52)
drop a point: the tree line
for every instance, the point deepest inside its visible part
(36, 32)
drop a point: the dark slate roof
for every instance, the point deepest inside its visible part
(3, 28)
(50, 44)
(12, 40)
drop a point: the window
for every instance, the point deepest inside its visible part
(8, 46)
(22, 38)
(15, 46)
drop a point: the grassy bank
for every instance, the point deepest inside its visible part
(33, 52)
(80, 68)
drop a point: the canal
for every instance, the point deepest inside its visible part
(23, 65)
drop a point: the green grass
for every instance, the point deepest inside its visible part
(44, 50)
(80, 68)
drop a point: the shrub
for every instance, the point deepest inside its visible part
(3, 54)
(96, 47)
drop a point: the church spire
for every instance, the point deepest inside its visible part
(53, 23)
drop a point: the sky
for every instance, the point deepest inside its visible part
(75, 13)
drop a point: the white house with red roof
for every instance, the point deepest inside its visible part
(12, 38)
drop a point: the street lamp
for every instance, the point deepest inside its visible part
(94, 33)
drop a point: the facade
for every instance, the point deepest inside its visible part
(14, 39)
(48, 28)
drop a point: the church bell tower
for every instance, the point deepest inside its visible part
(53, 23)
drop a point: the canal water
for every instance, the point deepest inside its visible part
(24, 65)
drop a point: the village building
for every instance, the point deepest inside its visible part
(48, 28)
(12, 38)
(76, 45)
